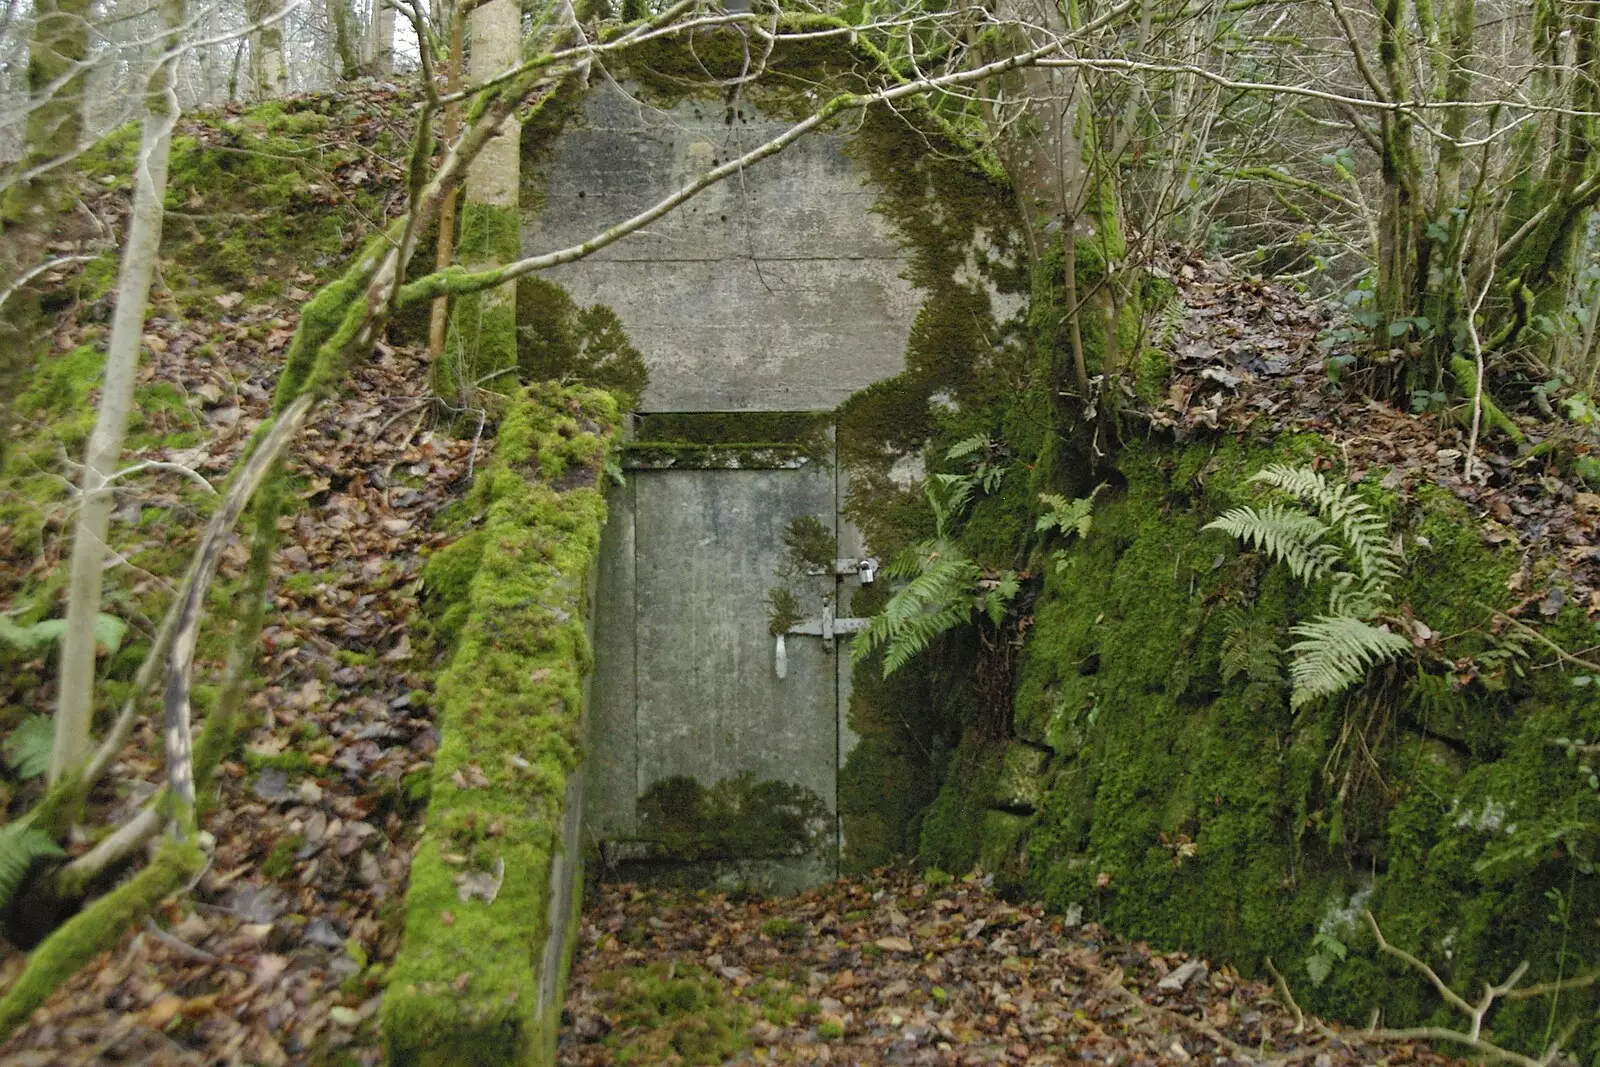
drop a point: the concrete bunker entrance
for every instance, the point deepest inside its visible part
(713, 749)
(717, 713)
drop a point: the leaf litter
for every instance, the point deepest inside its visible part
(894, 969)
(277, 953)
(1252, 356)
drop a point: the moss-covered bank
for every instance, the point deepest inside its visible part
(466, 985)
(1157, 778)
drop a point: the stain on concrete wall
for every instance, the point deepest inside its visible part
(777, 290)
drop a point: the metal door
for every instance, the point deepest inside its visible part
(712, 759)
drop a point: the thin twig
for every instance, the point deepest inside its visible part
(1477, 355)
(165, 465)
(1494, 1053)
(1587, 665)
(1288, 997)
(178, 945)
(29, 275)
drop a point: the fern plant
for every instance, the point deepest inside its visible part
(1329, 534)
(944, 586)
(27, 748)
(1172, 315)
(1070, 517)
(21, 845)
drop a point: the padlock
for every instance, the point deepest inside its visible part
(867, 569)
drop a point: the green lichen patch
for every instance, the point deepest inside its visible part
(465, 985)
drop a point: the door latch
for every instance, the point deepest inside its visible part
(826, 627)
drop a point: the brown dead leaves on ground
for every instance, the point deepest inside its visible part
(891, 970)
(1246, 358)
(268, 960)
(272, 957)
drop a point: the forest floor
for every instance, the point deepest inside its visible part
(895, 969)
(277, 953)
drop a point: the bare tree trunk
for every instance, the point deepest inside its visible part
(445, 248)
(345, 60)
(483, 337)
(208, 58)
(269, 77)
(75, 704)
(380, 47)
(55, 120)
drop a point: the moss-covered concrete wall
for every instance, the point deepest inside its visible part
(1159, 781)
(492, 894)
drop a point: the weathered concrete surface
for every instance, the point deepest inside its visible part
(686, 682)
(612, 758)
(778, 290)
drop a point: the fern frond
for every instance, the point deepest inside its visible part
(1171, 316)
(1287, 535)
(994, 602)
(27, 747)
(968, 445)
(1336, 651)
(1506, 650)
(1250, 648)
(1435, 696)
(938, 597)
(20, 846)
(958, 490)
(1068, 516)
(918, 633)
(1362, 528)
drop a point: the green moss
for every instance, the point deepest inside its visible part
(280, 860)
(557, 339)
(671, 1014)
(952, 831)
(806, 429)
(248, 198)
(292, 762)
(780, 928)
(811, 543)
(465, 989)
(967, 365)
(447, 583)
(669, 72)
(1197, 812)
(739, 817)
(94, 930)
(58, 393)
(906, 727)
